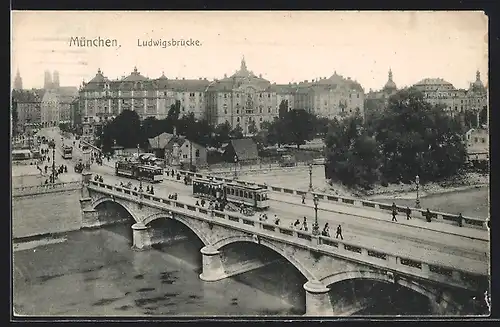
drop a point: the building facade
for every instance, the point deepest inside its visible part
(477, 144)
(240, 99)
(28, 104)
(333, 97)
(455, 101)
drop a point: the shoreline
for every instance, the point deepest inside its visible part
(423, 194)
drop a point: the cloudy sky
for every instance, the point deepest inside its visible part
(282, 46)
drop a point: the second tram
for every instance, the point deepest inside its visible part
(138, 171)
(250, 195)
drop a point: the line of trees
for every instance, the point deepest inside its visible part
(291, 127)
(127, 130)
(410, 137)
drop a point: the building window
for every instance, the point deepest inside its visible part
(238, 111)
(269, 95)
(237, 95)
(260, 119)
(225, 96)
(268, 110)
(197, 153)
(238, 119)
(185, 156)
(483, 140)
(225, 111)
(260, 95)
(358, 95)
(475, 140)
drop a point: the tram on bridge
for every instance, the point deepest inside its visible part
(249, 195)
(139, 171)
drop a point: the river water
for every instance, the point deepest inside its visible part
(97, 273)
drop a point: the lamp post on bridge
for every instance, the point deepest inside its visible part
(310, 177)
(235, 166)
(417, 200)
(53, 162)
(315, 228)
(140, 179)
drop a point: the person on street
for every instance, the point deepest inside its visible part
(394, 212)
(428, 215)
(303, 199)
(408, 213)
(147, 189)
(297, 223)
(339, 232)
(460, 219)
(326, 230)
(276, 220)
(151, 191)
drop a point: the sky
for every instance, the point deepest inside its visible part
(282, 46)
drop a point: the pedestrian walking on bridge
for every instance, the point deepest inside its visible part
(408, 213)
(394, 212)
(303, 198)
(339, 232)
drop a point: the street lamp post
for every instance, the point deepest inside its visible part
(235, 164)
(315, 229)
(53, 163)
(417, 182)
(310, 177)
(140, 180)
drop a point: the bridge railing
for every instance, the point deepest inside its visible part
(392, 262)
(46, 188)
(447, 218)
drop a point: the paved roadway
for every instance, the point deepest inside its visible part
(431, 242)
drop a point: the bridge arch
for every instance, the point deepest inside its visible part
(251, 239)
(106, 198)
(431, 293)
(182, 220)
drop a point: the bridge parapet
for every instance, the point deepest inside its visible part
(468, 276)
(448, 218)
(46, 188)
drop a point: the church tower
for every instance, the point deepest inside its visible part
(18, 81)
(55, 79)
(47, 84)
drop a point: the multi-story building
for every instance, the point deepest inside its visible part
(439, 91)
(102, 99)
(28, 104)
(477, 144)
(48, 106)
(333, 97)
(239, 99)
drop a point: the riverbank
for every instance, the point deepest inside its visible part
(467, 181)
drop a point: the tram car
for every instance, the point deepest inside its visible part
(250, 195)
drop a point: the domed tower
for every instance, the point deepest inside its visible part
(390, 86)
(478, 84)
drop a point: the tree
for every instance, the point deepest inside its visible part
(283, 109)
(417, 138)
(237, 132)
(299, 125)
(125, 129)
(222, 132)
(352, 155)
(252, 127)
(174, 112)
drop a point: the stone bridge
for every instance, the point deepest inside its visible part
(323, 261)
